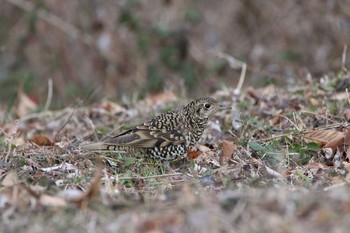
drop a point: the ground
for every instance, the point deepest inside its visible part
(276, 162)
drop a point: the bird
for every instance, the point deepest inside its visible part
(166, 137)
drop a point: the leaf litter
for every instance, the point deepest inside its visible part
(281, 165)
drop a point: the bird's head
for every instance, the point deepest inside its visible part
(204, 108)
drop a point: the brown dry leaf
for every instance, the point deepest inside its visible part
(110, 106)
(275, 120)
(15, 195)
(33, 194)
(347, 167)
(251, 92)
(193, 154)
(24, 104)
(41, 140)
(160, 223)
(347, 141)
(347, 156)
(228, 148)
(10, 179)
(315, 166)
(314, 101)
(346, 114)
(335, 142)
(160, 98)
(264, 92)
(92, 192)
(325, 138)
(52, 201)
(347, 136)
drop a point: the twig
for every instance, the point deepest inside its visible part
(318, 115)
(234, 64)
(347, 94)
(273, 137)
(149, 177)
(343, 60)
(12, 136)
(60, 129)
(297, 118)
(49, 95)
(273, 172)
(335, 125)
(43, 114)
(295, 126)
(34, 115)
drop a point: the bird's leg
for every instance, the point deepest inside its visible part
(168, 168)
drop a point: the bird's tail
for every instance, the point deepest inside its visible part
(93, 146)
(99, 146)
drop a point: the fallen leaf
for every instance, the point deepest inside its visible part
(24, 104)
(193, 154)
(325, 138)
(335, 142)
(228, 148)
(160, 98)
(314, 101)
(275, 120)
(110, 106)
(160, 223)
(251, 92)
(41, 140)
(52, 201)
(92, 192)
(347, 166)
(203, 148)
(347, 136)
(10, 179)
(346, 114)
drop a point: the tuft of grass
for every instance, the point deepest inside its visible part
(128, 18)
(303, 152)
(306, 180)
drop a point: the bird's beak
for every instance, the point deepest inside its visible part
(224, 106)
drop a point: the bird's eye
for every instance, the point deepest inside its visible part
(206, 106)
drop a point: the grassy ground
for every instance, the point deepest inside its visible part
(277, 162)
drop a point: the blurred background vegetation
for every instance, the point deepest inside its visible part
(131, 48)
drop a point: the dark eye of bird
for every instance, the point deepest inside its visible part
(206, 106)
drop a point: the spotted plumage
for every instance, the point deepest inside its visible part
(167, 136)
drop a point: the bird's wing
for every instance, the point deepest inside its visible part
(144, 137)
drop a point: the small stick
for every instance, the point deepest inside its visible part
(343, 60)
(49, 95)
(315, 114)
(270, 138)
(11, 138)
(347, 94)
(149, 177)
(60, 129)
(234, 64)
(273, 172)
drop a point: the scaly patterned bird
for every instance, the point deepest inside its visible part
(168, 136)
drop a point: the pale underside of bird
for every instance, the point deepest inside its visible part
(166, 137)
